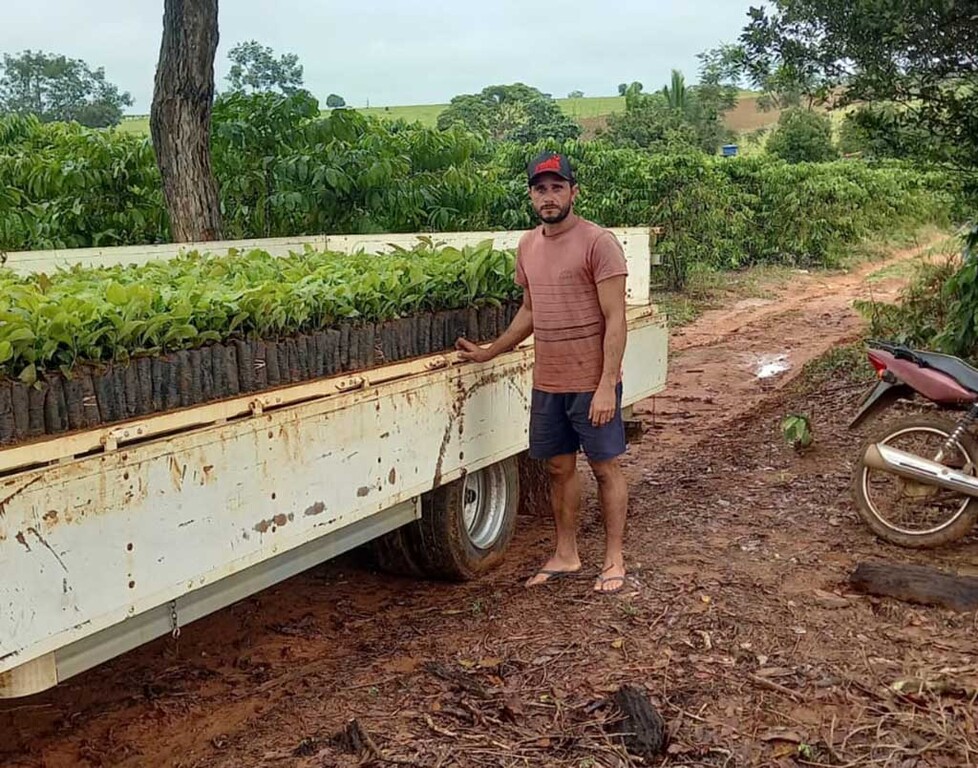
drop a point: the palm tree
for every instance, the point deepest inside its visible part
(676, 95)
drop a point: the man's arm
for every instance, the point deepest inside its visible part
(518, 330)
(611, 297)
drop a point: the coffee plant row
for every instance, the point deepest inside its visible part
(285, 170)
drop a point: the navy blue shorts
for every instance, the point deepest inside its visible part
(559, 425)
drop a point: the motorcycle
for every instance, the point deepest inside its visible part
(915, 482)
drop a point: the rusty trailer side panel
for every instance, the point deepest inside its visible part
(89, 543)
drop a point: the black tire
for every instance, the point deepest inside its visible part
(443, 544)
(392, 552)
(956, 527)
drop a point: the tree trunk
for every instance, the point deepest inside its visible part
(917, 584)
(180, 118)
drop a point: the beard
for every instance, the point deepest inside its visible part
(554, 215)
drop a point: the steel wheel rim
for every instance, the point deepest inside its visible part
(484, 506)
(885, 520)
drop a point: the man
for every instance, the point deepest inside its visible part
(573, 277)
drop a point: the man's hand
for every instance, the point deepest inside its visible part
(603, 405)
(473, 352)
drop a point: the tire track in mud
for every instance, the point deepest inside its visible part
(730, 360)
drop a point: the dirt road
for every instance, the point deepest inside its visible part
(734, 619)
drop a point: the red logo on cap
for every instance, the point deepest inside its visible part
(550, 164)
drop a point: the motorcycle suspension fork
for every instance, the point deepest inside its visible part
(963, 425)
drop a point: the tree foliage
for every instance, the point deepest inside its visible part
(335, 101)
(54, 87)
(876, 131)
(286, 170)
(677, 117)
(649, 123)
(63, 185)
(917, 54)
(255, 69)
(518, 113)
(802, 136)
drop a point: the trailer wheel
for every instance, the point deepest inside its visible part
(392, 552)
(466, 526)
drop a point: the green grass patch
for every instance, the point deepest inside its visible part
(138, 126)
(881, 247)
(901, 269)
(843, 365)
(712, 289)
(426, 114)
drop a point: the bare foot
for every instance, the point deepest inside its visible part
(554, 569)
(611, 579)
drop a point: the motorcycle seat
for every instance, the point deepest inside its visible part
(955, 367)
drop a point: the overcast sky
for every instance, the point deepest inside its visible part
(392, 52)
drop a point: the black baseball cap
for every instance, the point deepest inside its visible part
(550, 162)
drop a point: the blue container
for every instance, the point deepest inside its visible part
(729, 150)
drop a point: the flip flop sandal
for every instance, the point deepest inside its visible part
(552, 575)
(602, 580)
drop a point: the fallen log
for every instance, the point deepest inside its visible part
(916, 584)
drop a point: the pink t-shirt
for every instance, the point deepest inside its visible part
(562, 273)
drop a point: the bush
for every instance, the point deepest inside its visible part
(802, 136)
(937, 310)
(921, 314)
(65, 186)
(284, 170)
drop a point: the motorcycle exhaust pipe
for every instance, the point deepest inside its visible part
(912, 467)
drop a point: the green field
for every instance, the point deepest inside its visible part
(587, 108)
(135, 124)
(427, 114)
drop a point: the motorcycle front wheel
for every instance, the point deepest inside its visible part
(909, 513)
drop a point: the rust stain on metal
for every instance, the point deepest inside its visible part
(42, 540)
(279, 521)
(364, 490)
(51, 517)
(177, 473)
(392, 476)
(457, 413)
(21, 540)
(316, 509)
(207, 474)
(8, 499)
(288, 433)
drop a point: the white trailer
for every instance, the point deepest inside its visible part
(114, 536)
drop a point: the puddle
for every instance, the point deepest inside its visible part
(768, 366)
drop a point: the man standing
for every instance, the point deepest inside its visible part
(573, 277)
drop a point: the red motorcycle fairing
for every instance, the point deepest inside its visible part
(934, 385)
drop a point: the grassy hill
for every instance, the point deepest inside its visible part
(591, 111)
